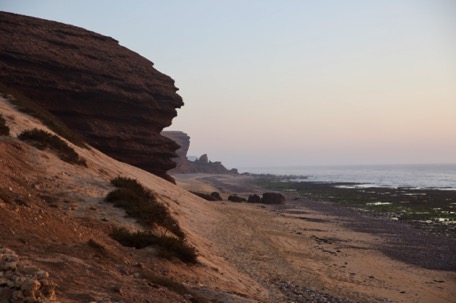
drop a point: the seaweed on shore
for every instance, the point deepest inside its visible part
(431, 209)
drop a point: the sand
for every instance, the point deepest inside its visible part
(314, 249)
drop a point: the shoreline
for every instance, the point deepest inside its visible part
(429, 209)
(308, 248)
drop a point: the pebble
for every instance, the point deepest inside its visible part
(299, 294)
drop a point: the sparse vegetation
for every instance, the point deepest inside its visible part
(143, 205)
(173, 286)
(4, 129)
(416, 206)
(30, 107)
(98, 247)
(42, 140)
(169, 247)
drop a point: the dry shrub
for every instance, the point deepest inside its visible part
(142, 205)
(169, 247)
(42, 140)
(26, 105)
(4, 129)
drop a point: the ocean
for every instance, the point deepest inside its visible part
(422, 176)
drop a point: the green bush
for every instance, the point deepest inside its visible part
(4, 129)
(42, 140)
(169, 247)
(142, 205)
(25, 105)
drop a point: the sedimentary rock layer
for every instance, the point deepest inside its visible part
(201, 165)
(114, 98)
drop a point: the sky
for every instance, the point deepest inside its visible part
(294, 82)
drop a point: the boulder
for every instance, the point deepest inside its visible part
(205, 196)
(254, 199)
(235, 198)
(273, 198)
(216, 196)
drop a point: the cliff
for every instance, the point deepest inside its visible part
(201, 165)
(57, 242)
(114, 98)
(183, 140)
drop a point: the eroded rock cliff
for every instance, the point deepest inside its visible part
(110, 95)
(201, 165)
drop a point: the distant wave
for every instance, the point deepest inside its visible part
(422, 176)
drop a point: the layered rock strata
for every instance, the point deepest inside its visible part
(201, 165)
(114, 98)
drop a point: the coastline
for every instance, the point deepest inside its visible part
(316, 251)
(416, 176)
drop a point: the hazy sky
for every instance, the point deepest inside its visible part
(294, 82)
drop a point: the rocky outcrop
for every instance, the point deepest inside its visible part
(236, 198)
(183, 140)
(214, 196)
(254, 199)
(200, 165)
(273, 198)
(111, 96)
(22, 283)
(203, 165)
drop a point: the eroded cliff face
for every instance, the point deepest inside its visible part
(183, 140)
(111, 96)
(201, 165)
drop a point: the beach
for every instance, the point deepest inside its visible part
(315, 251)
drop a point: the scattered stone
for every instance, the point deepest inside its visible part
(298, 294)
(25, 284)
(140, 265)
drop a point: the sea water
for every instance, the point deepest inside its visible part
(422, 176)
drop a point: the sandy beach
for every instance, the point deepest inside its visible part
(308, 251)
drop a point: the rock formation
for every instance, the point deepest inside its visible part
(201, 165)
(273, 198)
(254, 199)
(236, 198)
(22, 283)
(111, 96)
(183, 140)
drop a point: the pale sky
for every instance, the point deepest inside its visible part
(270, 83)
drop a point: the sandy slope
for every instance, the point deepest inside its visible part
(247, 252)
(52, 233)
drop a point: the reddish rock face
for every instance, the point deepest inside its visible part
(111, 96)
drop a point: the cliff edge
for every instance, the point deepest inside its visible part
(114, 98)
